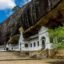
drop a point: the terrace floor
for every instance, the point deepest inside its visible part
(43, 61)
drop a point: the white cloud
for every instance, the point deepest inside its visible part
(26, 1)
(7, 4)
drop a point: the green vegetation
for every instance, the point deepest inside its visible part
(57, 37)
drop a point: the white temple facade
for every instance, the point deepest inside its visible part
(35, 42)
(39, 41)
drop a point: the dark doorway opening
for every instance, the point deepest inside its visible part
(43, 42)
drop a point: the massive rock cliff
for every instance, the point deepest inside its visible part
(31, 21)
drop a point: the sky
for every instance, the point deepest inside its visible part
(6, 7)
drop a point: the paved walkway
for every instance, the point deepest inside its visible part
(11, 56)
(14, 58)
(43, 61)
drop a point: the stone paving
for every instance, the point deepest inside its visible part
(43, 61)
(13, 58)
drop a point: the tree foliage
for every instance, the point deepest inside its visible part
(57, 36)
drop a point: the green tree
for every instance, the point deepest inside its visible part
(57, 37)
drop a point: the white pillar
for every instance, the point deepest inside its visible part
(21, 39)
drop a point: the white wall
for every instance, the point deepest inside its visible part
(44, 33)
(12, 47)
(19, 46)
(29, 48)
(21, 41)
(2, 48)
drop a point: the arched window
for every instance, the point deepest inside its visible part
(31, 45)
(26, 45)
(34, 44)
(38, 43)
(43, 42)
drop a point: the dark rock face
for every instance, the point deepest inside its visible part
(56, 22)
(32, 12)
(35, 10)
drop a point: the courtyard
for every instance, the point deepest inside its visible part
(43, 61)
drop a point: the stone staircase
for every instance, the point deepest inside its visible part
(13, 55)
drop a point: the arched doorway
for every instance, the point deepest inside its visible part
(43, 42)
